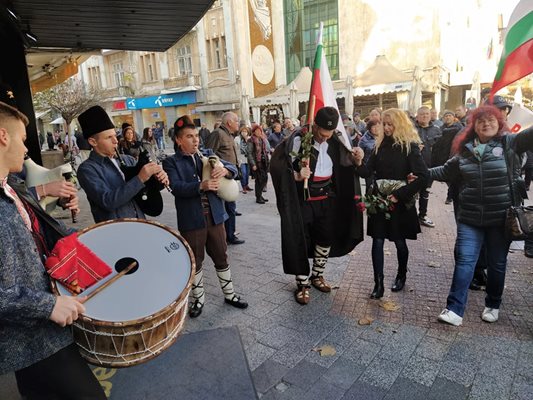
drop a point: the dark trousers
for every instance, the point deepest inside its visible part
(261, 178)
(423, 202)
(318, 219)
(212, 239)
(64, 375)
(231, 208)
(402, 252)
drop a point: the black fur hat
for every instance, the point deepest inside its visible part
(94, 120)
(327, 118)
(183, 122)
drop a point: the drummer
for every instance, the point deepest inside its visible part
(35, 343)
(200, 211)
(109, 195)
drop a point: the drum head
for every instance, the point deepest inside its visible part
(164, 268)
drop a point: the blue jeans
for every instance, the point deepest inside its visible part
(160, 142)
(468, 246)
(245, 170)
(231, 208)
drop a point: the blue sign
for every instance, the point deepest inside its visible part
(163, 100)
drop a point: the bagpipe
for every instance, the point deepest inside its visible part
(37, 175)
(149, 199)
(228, 189)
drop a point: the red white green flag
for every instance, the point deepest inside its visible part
(517, 56)
(322, 89)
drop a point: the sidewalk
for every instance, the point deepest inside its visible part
(402, 354)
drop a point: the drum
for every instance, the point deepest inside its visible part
(141, 314)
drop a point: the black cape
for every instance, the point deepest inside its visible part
(289, 196)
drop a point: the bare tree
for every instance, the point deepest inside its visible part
(69, 99)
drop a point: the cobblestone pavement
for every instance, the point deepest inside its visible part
(402, 354)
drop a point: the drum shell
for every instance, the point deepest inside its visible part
(128, 343)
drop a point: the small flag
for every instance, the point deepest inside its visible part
(322, 89)
(517, 56)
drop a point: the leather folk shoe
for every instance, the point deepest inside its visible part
(195, 309)
(320, 284)
(399, 283)
(236, 302)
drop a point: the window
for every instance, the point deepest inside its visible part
(302, 22)
(217, 53)
(94, 77)
(149, 67)
(184, 60)
(118, 74)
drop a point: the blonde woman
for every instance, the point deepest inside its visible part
(395, 156)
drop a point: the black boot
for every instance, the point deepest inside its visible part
(378, 291)
(399, 283)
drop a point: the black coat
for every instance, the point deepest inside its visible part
(391, 162)
(348, 221)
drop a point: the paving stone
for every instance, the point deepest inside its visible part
(278, 337)
(362, 351)
(457, 372)
(345, 333)
(406, 389)
(291, 393)
(326, 360)
(364, 391)
(304, 374)
(497, 366)
(324, 390)
(421, 370)
(522, 388)
(523, 365)
(343, 372)
(444, 389)
(398, 350)
(432, 348)
(489, 387)
(268, 375)
(257, 354)
(382, 373)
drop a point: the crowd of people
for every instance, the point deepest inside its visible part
(316, 178)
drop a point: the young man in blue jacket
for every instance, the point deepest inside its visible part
(201, 213)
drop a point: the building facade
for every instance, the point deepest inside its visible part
(247, 49)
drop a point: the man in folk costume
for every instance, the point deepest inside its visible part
(200, 211)
(325, 223)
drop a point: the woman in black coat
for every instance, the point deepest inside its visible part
(396, 155)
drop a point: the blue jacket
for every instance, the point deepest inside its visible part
(367, 143)
(109, 195)
(27, 335)
(185, 184)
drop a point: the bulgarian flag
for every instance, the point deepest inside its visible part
(322, 93)
(517, 56)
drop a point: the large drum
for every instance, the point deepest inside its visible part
(141, 314)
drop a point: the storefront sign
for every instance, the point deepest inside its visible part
(164, 100)
(119, 105)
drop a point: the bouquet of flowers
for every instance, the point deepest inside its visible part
(375, 203)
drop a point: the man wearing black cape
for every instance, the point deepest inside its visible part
(327, 223)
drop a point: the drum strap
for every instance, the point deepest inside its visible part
(198, 292)
(224, 278)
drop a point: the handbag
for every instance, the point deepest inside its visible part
(518, 219)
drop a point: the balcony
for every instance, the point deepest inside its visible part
(182, 81)
(120, 91)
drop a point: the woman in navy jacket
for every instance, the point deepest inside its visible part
(201, 213)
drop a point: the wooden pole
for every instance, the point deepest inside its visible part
(112, 280)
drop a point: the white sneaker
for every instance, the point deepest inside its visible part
(450, 317)
(490, 314)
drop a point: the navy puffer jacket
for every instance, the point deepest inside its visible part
(484, 187)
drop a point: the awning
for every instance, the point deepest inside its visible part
(41, 114)
(383, 88)
(109, 24)
(217, 107)
(181, 89)
(57, 121)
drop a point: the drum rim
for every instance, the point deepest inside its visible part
(166, 309)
